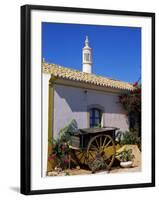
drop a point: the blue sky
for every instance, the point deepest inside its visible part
(116, 51)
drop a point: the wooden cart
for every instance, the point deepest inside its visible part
(91, 143)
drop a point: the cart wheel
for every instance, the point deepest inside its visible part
(101, 147)
(81, 156)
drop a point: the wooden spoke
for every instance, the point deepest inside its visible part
(89, 153)
(108, 143)
(97, 143)
(102, 146)
(93, 147)
(104, 141)
(78, 152)
(85, 160)
(80, 156)
(100, 140)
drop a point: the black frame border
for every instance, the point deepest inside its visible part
(25, 143)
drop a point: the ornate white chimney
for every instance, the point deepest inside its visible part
(87, 57)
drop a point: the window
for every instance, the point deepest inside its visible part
(95, 117)
(86, 56)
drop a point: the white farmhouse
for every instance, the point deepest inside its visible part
(81, 95)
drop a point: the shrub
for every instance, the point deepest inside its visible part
(97, 164)
(129, 137)
(131, 102)
(65, 133)
(61, 153)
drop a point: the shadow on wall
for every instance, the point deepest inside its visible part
(80, 100)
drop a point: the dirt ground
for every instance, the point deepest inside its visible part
(136, 167)
(84, 171)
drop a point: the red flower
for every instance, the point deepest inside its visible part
(50, 158)
(53, 155)
(66, 161)
(135, 84)
(63, 147)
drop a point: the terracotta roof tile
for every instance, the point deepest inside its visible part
(71, 74)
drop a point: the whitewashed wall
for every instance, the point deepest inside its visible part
(72, 103)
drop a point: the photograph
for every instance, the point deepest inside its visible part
(94, 98)
(87, 99)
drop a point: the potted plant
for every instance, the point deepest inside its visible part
(126, 158)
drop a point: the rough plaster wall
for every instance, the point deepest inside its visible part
(72, 103)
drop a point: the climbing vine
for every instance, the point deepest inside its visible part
(131, 102)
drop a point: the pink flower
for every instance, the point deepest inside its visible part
(66, 160)
(53, 155)
(135, 84)
(50, 158)
(62, 147)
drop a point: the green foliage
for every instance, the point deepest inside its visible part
(97, 164)
(126, 155)
(129, 137)
(65, 133)
(131, 102)
(61, 152)
(98, 126)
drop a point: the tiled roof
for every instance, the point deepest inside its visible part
(75, 75)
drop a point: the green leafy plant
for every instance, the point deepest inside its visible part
(129, 137)
(98, 126)
(66, 132)
(126, 155)
(131, 102)
(97, 164)
(61, 153)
